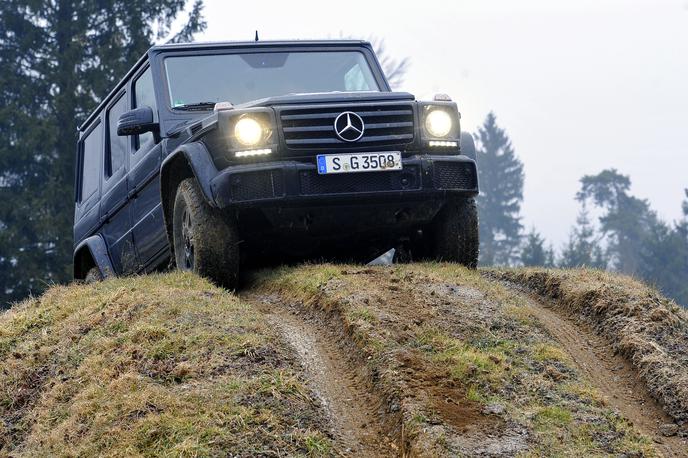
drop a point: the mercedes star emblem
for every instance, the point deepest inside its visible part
(349, 126)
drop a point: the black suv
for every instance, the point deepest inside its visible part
(218, 155)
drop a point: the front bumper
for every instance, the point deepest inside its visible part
(294, 182)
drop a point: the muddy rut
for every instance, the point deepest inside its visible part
(610, 373)
(428, 322)
(360, 426)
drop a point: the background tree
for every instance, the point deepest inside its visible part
(58, 59)
(638, 242)
(501, 193)
(583, 249)
(395, 69)
(534, 252)
(664, 257)
(626, 220)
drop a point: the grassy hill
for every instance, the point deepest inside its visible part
(321, 360)
(164, 365)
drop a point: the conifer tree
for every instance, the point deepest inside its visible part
(58, 59)
(626, 220)
(501, 193)
(534, 252)
(637, 241)
(583, 249)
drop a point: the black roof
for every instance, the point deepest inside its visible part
(212, 45)
(244, 44)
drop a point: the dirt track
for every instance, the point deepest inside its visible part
(608, 372)
(342, 386)
(378, 346)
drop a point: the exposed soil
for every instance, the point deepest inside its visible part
(433, 360)
(649, 330)
(360, 425)
(334, 360)
(609, 372)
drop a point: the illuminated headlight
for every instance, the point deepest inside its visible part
(438, 123)
(248, 131)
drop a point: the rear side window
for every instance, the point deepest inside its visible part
(117, 146)
(90, 168)
(144, 94)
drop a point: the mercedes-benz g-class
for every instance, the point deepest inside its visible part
(214, 156)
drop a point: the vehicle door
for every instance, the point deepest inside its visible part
(150, 237)
(89, 160)
(115, 210)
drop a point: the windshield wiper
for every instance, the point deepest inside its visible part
(198, 106)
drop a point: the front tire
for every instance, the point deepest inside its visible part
(454, 233)
(205, 241)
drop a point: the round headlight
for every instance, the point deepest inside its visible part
(438, 123)
(248, 131)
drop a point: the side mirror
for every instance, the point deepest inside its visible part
(136, 122)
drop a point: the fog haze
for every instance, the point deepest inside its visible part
(579, 86)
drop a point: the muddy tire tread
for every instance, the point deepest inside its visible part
(216, 238)
(455, 233)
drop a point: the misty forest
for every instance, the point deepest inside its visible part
(59, 59)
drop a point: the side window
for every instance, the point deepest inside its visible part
(90, 162)
(117, 146)
(144, 94)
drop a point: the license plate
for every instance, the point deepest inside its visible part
(358, 162)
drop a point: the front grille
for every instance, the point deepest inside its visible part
(454, 175)
(313, 183)
(263, 184)
(313, 127)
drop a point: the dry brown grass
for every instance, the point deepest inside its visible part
(647, 328)
(164, 365)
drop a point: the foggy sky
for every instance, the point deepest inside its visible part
(579, 85)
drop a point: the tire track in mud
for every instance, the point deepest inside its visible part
(611, 374)
(433, 415)
(356, 412)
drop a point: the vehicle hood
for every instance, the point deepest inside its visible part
(328, 97)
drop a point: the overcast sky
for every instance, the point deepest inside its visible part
(579, 85)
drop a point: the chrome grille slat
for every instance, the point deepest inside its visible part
(334, 114)
(366, 140)
(312, 127)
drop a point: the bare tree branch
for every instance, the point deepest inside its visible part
(394, 69)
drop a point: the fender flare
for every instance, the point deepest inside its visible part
(467, 145)
(198, 161)
(97, 250)
(189, 160)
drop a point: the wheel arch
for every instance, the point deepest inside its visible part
(188, 161)
(467, 145)
(92, 252)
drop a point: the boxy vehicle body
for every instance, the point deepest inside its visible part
(165, 174)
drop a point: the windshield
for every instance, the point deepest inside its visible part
(240, 78)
